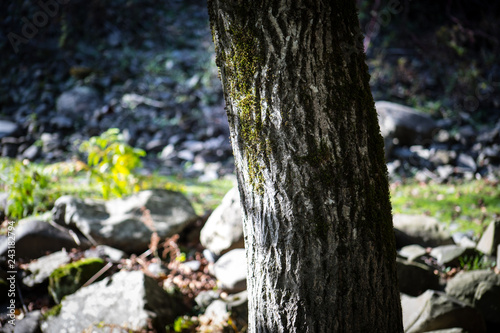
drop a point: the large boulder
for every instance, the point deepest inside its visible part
(434, 310)
(128, 301)
(422, 230)
(223, 230)
(403, 125)
(464, 285)
(34, 238)
(123, 223)
(480, 289)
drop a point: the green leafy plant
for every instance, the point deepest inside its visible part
(112, 162)
(24, 184)
(476, 262)
(183, 324)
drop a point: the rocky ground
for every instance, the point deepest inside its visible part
(147, 263)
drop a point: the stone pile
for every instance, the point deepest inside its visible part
(434, 296)
(418, 146)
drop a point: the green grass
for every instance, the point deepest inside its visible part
(70, 178)
(204, 196)
(470, 205)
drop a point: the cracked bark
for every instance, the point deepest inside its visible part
(310, 166)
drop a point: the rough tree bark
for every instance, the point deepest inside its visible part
(310, 165)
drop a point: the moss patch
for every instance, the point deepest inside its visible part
(54, 311)
(242, 63)
(69, 278)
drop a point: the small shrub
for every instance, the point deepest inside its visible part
(112, 162)
(24, 184)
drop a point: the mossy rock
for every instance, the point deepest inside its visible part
(69, 278)
(53, 311)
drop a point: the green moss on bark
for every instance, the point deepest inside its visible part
(242, 64)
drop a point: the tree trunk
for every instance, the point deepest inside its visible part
(310, 166)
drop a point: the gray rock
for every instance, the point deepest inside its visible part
(490, 136)
(234, 306)
(415, 278)
(105, 252)
(185, 155)
(34, 238)
(129, 300)
(77, 102)
(444, 171)
(50, 141)
(157, 269)
(490, 240)
(434, 310)
(404, 125)
(62, 122)
(480, 289)
(442, 157)
(231, 271)
(412, 252)
(423, 230)
(223, 230)
(40, 270)
(167, 152)
(192, 265)
(487, 301)
(120, 223)
(466, 134)
(205, 298)
(217, 312)
(193, 146)
(449, 254)
(466, 162)
(238, 305)
(464, 285)
(30, 323)
(32, 152)
(464, 239)
(211, 257)
(7, 128)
